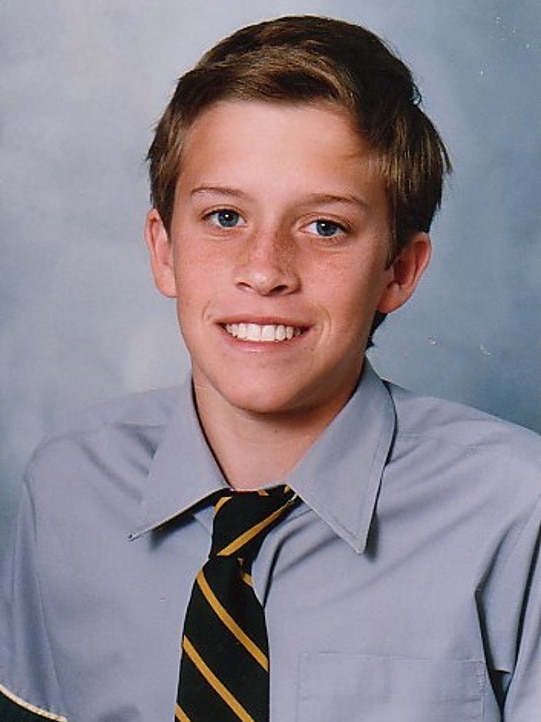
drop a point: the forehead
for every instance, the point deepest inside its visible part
(270, 142)
(240, 116)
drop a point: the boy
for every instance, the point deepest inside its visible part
(294, 179)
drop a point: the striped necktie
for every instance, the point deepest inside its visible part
(224, 671)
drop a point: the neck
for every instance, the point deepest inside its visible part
(256, 450)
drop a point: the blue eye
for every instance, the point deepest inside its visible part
(225, 218)
(327, 229)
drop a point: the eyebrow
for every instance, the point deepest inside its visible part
(310, 198)
(329, 198)
(218, 190)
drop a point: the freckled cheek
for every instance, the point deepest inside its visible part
(194, 314)
(201, 287)
(348, 302)
(196, 267)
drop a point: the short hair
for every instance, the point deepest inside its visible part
(306, 59)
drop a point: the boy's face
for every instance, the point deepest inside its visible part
(277, 256)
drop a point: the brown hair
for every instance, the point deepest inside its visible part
(304, 59)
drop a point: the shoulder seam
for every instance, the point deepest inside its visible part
(464, 446)
(53, 439)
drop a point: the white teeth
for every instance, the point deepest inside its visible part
(253, 332)
(269, 333)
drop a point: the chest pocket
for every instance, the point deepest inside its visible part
(363, 688)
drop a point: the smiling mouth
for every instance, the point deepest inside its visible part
(263, 333)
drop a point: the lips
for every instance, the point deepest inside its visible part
(262, 333)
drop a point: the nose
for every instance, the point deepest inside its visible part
(267, 265)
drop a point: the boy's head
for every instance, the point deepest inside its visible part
(306, 59)
(294, 179)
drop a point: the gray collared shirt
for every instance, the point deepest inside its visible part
(404, 588)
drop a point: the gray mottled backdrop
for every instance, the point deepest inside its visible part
(82, 83)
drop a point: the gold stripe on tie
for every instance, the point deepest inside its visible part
(180, 715)
(221, 501)
(249, 534)
(224, 668)
(213, 680)
(230, 623)
(246, 578)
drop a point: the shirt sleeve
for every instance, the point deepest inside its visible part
(513, 609)
(29, 689)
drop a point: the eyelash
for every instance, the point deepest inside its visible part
(338, 228)
(213, 217)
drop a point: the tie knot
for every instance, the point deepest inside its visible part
(243, 518)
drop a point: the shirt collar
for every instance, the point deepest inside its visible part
(183, 454)
(339, 477)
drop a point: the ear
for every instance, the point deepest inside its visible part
(406, 270)
(161, 254)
